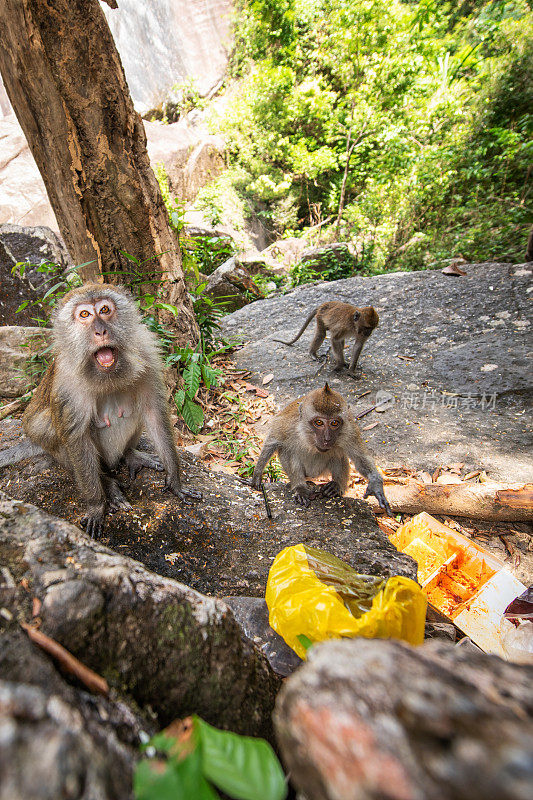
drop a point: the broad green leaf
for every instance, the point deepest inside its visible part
(241, 766)
(168, 307)
(181, 780)
(193, 415)
(191, 378)
(179, 399)
(22, 306)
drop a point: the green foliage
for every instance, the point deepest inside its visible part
(402, 127)
(240, 766)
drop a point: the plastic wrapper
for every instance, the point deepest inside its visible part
(517, 635)
(313, 596)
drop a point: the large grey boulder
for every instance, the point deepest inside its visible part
(222, 545)
(380, 720)
(454, 353)
(157, 641)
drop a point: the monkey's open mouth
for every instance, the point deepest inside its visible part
(105, 357)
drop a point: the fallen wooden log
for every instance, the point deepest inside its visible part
(497, 502)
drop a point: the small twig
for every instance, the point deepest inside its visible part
(267, 504)
(372, 408)
(93, 681)
(14, 406)
(364, 394)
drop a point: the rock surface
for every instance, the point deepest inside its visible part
(46, 753)
(156, 641)
(232, 283)
(380, 720)
(222, 545)
(35, 246)
(17, 345)
(453, 352)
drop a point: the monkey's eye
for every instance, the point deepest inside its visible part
(84, 314)
(105, 310)
(334, 423)
(318, 423)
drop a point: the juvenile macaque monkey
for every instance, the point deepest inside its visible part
(313, 435)
(102, 389)
(343, 321)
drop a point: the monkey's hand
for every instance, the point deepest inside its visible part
(135, 460)
(375, 488)
(331, 489)
(303, 495)
(93, 521)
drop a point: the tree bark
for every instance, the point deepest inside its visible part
(66, 83)
(496, 502)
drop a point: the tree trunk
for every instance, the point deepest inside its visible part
(66, 83)
(496, 502)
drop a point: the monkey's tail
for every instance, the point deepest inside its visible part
(302, 329)
(20, 451)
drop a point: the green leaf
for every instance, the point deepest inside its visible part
(193, 415)
(22, 306)
(53, 289)
(241, 766)
(181, 780)
(304, 641)
(168, 307)
(130, 258)
(179, 399)
(191, 378)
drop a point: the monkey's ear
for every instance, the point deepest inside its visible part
(356, 315)
(326, 388)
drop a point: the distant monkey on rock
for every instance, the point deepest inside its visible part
(313, 435)
(102, 389)
(343, 321)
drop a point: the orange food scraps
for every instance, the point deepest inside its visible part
(456, 567)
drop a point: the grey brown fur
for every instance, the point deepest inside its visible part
(313, 435)
(343, 321)
(89, 418)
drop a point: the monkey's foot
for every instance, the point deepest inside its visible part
(115, 499)
(135, 460)
(93, 522)
(339, 367)
(356, 373)
(331, 489)
(185, 495)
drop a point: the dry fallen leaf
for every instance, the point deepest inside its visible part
(267, 379)
(453, 269)
(447, 478)
(425, 477)
(368, 427)
(471, 475)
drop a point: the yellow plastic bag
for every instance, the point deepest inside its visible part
(314, 595)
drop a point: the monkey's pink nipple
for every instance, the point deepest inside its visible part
(105, 357)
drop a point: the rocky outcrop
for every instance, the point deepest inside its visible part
(233, 285)
(17, 346)
(165, 42)
(155, 640)
(453, 353)
(380, 720)
(222, 545)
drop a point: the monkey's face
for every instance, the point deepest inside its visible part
(96, 321)
(325, 431)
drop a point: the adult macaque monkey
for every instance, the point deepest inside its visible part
(102, 389)
(343, 321)
(313, 435)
